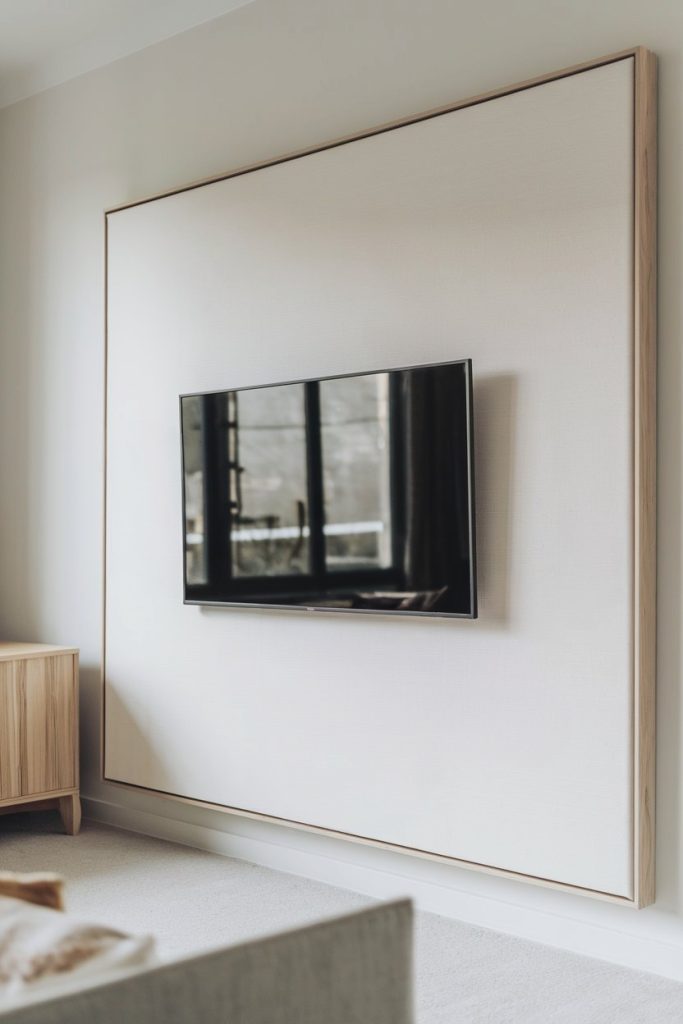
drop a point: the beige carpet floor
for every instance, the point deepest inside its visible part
(192, 900)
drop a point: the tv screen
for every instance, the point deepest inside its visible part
(350, 493)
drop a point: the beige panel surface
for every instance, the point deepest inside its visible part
(501, 232)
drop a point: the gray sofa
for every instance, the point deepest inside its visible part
(348, 970)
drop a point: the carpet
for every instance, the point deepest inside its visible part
(192, 901)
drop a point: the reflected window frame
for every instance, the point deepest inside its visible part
(320, 579)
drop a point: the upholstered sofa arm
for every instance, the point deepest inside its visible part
(350, 970)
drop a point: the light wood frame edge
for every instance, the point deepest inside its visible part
(76, 720)
(381, 844)
(54, 652)
(644, 472)
(424, 115)
(51, 795)
(644, 480)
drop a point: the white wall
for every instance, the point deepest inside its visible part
(268, 78)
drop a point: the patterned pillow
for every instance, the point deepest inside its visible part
(44, 949)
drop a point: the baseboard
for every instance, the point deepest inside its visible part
(579, 927)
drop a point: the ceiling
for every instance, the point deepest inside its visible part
(45, 42)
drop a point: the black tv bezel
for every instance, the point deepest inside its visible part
(391, 613)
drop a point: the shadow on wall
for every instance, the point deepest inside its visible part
(495, 403)
(495, 413)
(139, 744)
(90, 724)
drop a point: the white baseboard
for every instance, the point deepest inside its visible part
(593, 930)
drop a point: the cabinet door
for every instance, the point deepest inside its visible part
(10, 771)
(48, 728)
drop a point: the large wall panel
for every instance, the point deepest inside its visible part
(503, 232)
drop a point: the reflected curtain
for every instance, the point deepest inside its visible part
(434, 431)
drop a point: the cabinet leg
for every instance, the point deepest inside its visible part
(70, 810)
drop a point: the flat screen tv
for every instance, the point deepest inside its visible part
(351, 493)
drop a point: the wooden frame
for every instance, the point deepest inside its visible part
(644, 470)
(643, 646)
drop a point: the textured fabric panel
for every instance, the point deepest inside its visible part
(500, 232)
(352, 970)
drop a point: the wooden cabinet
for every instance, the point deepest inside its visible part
(39, 730)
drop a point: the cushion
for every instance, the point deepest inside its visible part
(44, 888)
(42, 949)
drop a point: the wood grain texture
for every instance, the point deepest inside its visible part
(47, 724)
(34, 802)
(645, 455)
(39, 731)
(13, 651)
(10, 774)
(70, 810)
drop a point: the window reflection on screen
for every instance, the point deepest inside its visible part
(268, 481)
(350, 492)
(193, 461)
(354, 419)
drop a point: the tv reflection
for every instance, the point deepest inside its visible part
(350, 493)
